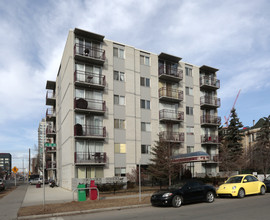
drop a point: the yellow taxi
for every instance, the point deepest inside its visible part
(241, 185)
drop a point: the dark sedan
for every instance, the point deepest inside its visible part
(267, 183)
(184, 192)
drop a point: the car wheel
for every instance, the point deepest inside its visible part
(262, 190)
(210, 197)
(177, 201)
(241, 193)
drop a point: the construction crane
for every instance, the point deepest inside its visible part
(228, 118)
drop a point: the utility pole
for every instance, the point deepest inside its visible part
(29, 164)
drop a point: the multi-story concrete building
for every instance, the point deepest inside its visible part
(5, 163)
(111, 102)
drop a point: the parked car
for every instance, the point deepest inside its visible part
(185, 192)
(35, 181)
(241, 185)
(2, 185)
(267, 183)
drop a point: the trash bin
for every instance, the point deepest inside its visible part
(93, 190)
(81, 193)
(38, 185)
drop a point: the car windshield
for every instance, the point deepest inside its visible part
(235, 179)
(268, 178)
(177, 186)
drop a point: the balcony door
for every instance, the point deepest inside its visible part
(80, 72)
(96, 125)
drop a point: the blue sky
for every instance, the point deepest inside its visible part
(232, 36)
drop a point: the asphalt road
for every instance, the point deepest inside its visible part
(250, 207)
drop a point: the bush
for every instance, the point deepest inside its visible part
(110, 187)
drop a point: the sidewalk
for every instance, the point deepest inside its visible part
(34, 196)
(11, 203)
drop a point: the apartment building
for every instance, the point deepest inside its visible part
(6, 163)
(111, 102)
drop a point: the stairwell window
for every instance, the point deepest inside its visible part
(118, 76)
(118, 52)
(189, 110)
(145, 60)
(120, 148)
(119, 100)
(145, 82)
(189, 91)
(145, 149)
(145, 104)
(145, 126)
(120, 171)
(190, 130)
(190, 149)
(119, 123)
(188, 71)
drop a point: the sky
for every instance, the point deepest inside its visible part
(232, 36)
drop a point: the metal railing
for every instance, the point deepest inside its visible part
(90, 104)
(170, 93)
(171, 115)
(209, 100)
(170, 71)
(209, 81)
(50, 112)
(88, 51)
(89, 77)
(210, 119)
(88, 130)
(172, 136)
(209, 139)
(94, 157)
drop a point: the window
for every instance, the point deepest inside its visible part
(119, 123)
(145, 104)
(188, 71)
(189, 110)
(145, 82)
(145, 149)
(119, 76)
(145, 126)
(190, 149)
(117, 52)
(119, 100)
(190, 130)
(189, 91)
(120, 148)
(145, 60)
(120, 171)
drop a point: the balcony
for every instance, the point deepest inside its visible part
(167, 72)
(89, 54)
(210, 120)
(96, 158)
(50, 132)
(50, 149)
(213, 158)
(89, 132)
(175, 137)
(89, 106)
(207, 82)
(51, 165)
(88, 79)
(170, 95)
(50, 114)
(209, 139)
(166, 115)
(210, 102)
(50, 98)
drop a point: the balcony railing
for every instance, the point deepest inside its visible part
(51, 164)
(90, 104)
(172, 136)
(89, 78)
(170, 94)
(209, 139)
(171, 115)
(50, 114)
(89, 131)
(90, 158)
(171, 73)
(210, 120)
(50, 131)
(50, 98)
(210, 101)
(89, 52)
(209, 82)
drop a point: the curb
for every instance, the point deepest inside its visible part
(80, 212)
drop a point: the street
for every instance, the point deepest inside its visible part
(250, 207)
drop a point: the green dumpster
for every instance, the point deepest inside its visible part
(81, 193)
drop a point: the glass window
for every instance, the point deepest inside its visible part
(190, 130)
(120, 148)
(116, 99)
(190, 149)
(115, 75)
(120, 171)
(142, 81)
(189, 110)
(142, 103)
(121, 53)
(122, 76)
(147, 82)
(188, 71)
(119, 123)
(119, 100)
(145, 60)
(145, 149)
(117, 52)
(147, 104)
(145, 126)
(189, 91)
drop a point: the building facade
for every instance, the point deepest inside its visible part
(6, 163)
(111, 102)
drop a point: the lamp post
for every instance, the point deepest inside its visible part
(140, 187)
